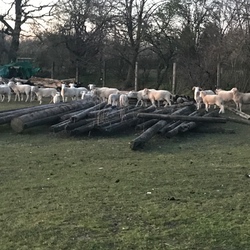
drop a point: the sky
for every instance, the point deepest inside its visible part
(5, 5)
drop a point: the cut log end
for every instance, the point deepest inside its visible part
(17, 125)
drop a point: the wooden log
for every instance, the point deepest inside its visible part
(183, 118)
(146, 124)
(7, 116)
(85, 112)
(169, 127)
(237, 112)
(140, 141)
(73, 125)
(98, 113)
(185, 126)
(137, 110)
(59, 126)
(18, 124)
(173, 108)
(82, 129)
(120, 126)
(241, 121)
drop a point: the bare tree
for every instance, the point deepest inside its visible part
(82, 25)
(24, 11)
(129, 31)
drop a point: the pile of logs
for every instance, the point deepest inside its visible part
(80, 117)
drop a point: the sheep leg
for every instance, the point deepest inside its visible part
(206, 106)
(27, 97)
(168, 102)
(240, 105)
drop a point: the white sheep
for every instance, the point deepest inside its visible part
(57, 97)
(68, 92)
(91, 86)
(32, 93)
(157, 95)
(20, 89)
(138, 95)
(113, 99)
(5, 91)
(197, 96)
(212, 100)
(226, 95)
(45, 92)
(123, 100)
(79, 90)
(240, 98)
(104, 92)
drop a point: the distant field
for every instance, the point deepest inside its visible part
(94, 192)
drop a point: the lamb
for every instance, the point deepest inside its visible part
(57, 97)
(5, 91)
(45, 92)
(197, 96)
(226, 95)
(212, 100)
(114, 99)
(104, 92)
(20, 89)
(123, 100)
(158, 95)
(240, 98)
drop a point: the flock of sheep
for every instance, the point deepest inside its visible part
(115, 97)
(220, 97)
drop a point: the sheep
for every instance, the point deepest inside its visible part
(197, 97)
(91, 86)
(212, 100)
(240, 98)
(79, 90)
(158, 95)
(226, 95)
(113, 99)
(104, 92)
(68, 92)
(5, 91)
(32, 93)
(123, 100)
(57, 97)
(20, 89)
(45, 92)
(140, 99)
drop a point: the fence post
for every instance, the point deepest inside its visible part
(136, 76)
(174, 78)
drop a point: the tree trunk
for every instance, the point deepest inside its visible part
(7, 116)
(45, 116)
(85, 112)
(14, 46)
(147, 135)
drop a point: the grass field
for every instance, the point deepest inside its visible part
(94, 192)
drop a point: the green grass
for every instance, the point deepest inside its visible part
(92, 191)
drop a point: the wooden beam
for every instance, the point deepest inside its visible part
(183, 118)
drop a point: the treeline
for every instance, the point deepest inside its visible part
(100, 41)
